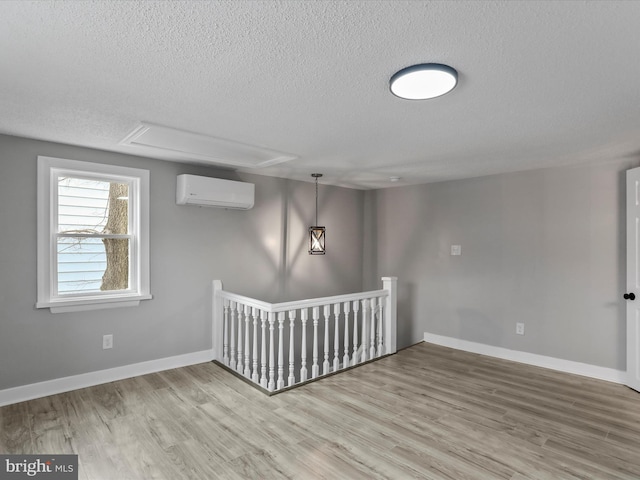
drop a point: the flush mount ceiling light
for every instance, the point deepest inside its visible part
(423, 81)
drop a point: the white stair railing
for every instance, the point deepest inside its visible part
(267, 343)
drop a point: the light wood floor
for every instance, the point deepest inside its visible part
(428, 412)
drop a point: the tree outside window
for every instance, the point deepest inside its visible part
(92, 235)
(93, 240)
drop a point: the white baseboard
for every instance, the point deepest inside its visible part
(75, 382)
(567, 366)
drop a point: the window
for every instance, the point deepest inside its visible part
(93, 235)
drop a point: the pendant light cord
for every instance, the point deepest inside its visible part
(316, 176)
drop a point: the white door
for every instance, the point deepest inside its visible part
(633, 278)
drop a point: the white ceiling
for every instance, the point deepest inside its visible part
(540, 83)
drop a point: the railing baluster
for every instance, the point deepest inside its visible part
(325, 364)
(292, 375)
(239, 364)
(365, 331)
(263, 355)
(356, 309)
(336, 338)
(372, 349)
(304, 316)
(247, 345)
(225, 334)
(232, 342)
(345, 359)
(380, 326)
(280, 383)
(245, 352)
(255, 377)
(315, 368)
(272, 360)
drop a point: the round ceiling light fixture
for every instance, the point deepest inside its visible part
(423, 81)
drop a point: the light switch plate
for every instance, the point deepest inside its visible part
(107, 341)
(456, 249)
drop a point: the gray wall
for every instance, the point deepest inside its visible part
(542, 247)
(261, 253)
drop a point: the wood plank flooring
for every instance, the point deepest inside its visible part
(428, 412)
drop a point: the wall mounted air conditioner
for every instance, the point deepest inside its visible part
(214, 192)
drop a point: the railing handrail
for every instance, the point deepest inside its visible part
(246, 332)
(310, 302)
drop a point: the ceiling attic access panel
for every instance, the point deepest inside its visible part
(168, 143)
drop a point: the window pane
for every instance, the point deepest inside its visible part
(88, 265)
(116, 275)
(92, 206)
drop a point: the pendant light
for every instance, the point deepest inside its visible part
(316, 233)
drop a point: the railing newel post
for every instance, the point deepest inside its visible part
(218, 330)
(390, 284)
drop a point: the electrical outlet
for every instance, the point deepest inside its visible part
(107, 341)
(456, 249)
(520, 328)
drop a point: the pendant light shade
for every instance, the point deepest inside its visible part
(316, 233)
(423, 81)
(316, 240)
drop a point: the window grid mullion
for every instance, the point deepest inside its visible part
(94, 235)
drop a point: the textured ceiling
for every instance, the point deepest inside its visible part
(540, 83)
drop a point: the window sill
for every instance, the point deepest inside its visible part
(93, 303)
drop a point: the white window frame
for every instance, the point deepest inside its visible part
(49, 169)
